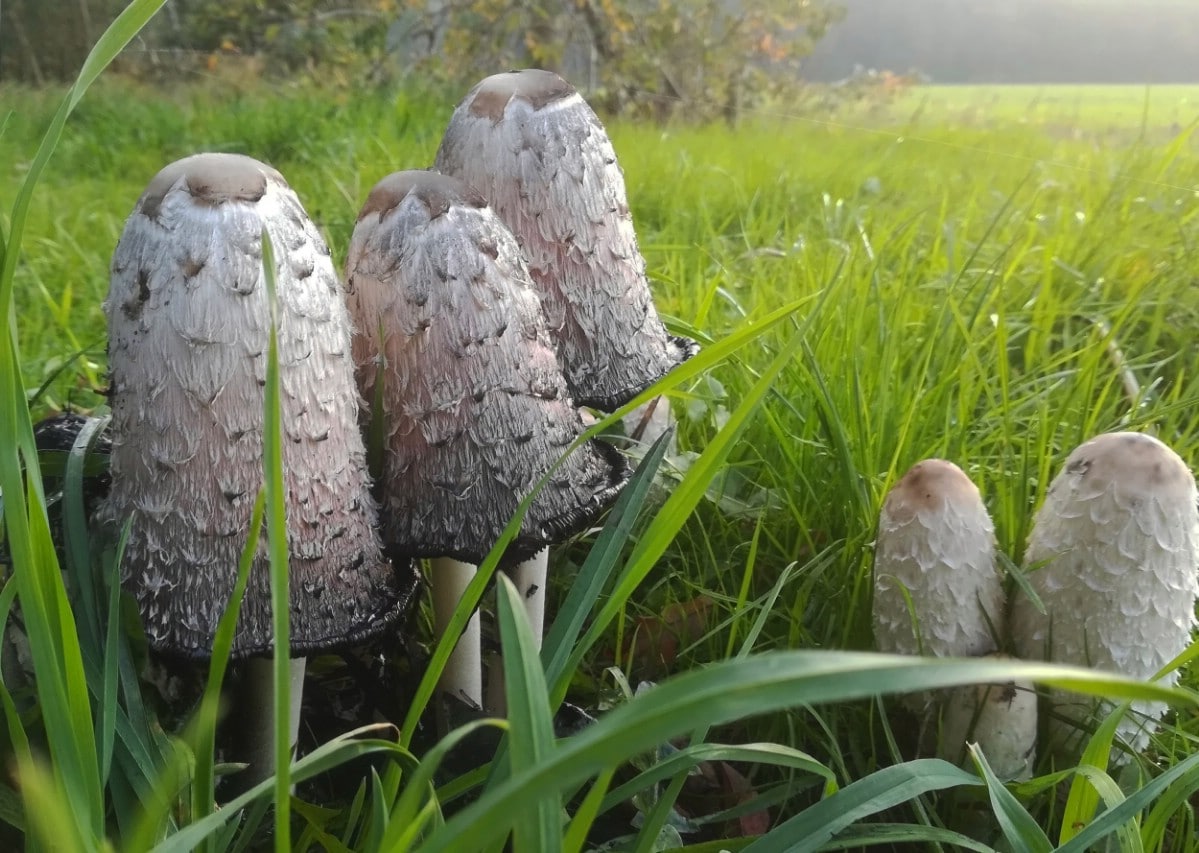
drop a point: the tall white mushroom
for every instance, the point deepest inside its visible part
(936, 543)
(1000, 718)
(540, 156)
(1114, 557)
(188, 323)
(938, 592)
(474, 401)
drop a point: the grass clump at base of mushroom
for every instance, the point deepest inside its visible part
(991, 314)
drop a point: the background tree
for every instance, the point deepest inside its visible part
(650, 57)
(45, 40)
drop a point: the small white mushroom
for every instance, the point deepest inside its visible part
(1000, 718)
(1118, 537)
(539, 154)
(188, 323)
(474, 401)
(936, 548)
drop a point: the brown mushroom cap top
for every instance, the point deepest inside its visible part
(930, 485)
(538, 88)
(540, 156)
(437, 192)
(936, 587)
(211, 178)
(474, 401)
(188, 327)
(1131, 463)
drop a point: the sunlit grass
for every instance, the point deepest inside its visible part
(965, 284)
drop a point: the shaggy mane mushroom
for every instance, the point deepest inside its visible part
(938, 592)
(474, 401)
(539, 154)
(1117, 542)
(936, 540)
(188, 322)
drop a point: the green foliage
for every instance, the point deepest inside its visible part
(290, 35)
(701, 59)
(45, 40)
(866, 296)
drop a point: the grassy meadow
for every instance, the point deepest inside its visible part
(986, 275)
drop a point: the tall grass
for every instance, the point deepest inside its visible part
(870, 290)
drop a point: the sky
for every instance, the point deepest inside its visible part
(1016, 41)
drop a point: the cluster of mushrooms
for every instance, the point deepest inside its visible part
(1113, 557)
(484, 302)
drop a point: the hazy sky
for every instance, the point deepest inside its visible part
(1017, 41)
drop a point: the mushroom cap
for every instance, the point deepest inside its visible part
(474, 400)
(1000, 718)
(188, 324)
(935, 539)
(530, 143)
(1119, 538)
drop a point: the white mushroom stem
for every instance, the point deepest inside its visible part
(529, 578)
(1000, 718)
(462, 677)
(254, 714)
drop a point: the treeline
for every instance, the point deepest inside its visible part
(653, 58)
(45, 40)
(1015, 41)
(42, 41)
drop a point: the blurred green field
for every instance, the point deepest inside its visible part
(1090, 108)
(990, 274)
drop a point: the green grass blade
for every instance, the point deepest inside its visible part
(751, 559)
(688, 757)
(1017, 825)
(17, 736)
(276, 516)
(108, 713)
(53, 638)
(902, 835)
(352, 815)
(407, 820)
(1084, 798)
(1174, 798)
(1185, 772)
(601, 561)
(673, 513)
(538, 824)
(119, 33)
(321, 760)
(759, 684)
(881, 790)
(580, 824)
(76, 541)
(50, 823)
(378, 821)
(204, 724)
(1129, 832)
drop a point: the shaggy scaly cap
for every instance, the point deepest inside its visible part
(476, 407)
(1119, 536)
(936, 540)
(188, 322)
(534, 148)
